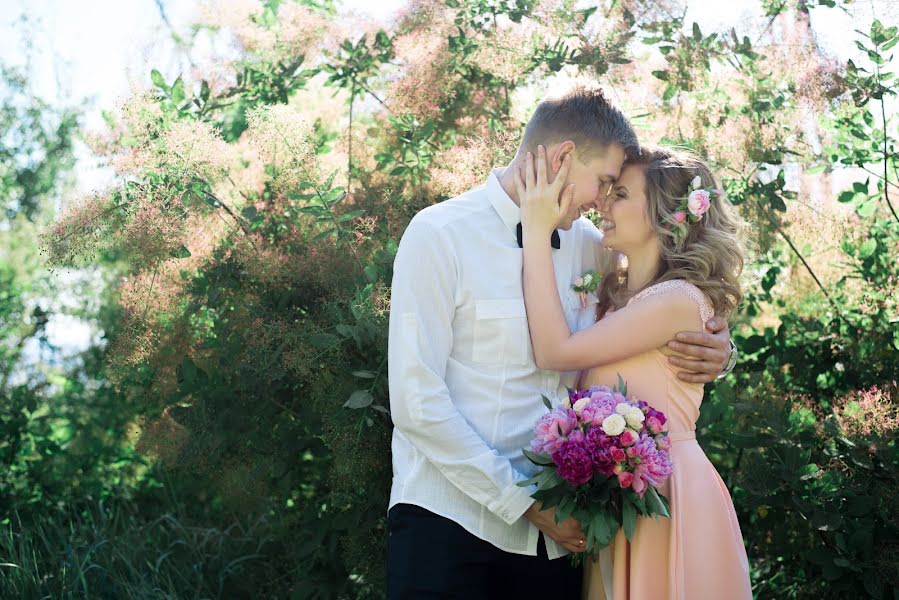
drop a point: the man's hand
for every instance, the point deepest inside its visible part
(709, 351)
(568, 533)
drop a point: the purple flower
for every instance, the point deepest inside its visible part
(552, 430)
(573, 461)
(600, 446)
(651, 412)
(651, 465)
(602, 404)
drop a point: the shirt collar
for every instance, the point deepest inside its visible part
(508, 211)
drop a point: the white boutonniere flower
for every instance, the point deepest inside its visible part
(586, 284)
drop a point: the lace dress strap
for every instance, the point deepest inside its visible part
(706, 311)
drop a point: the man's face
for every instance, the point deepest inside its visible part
(591, 180)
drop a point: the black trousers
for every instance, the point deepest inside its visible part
(430, 557)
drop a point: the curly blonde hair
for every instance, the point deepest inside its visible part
(710, 256)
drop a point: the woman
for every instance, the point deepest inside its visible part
(681, 240)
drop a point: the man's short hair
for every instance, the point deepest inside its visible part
(584, 116)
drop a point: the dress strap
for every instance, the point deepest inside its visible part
(706, 311)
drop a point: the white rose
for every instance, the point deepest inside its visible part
(580, 404)
(622, 408)
(566, 403)
(697, 181)
(588, 279)
(635, 417)
(613, 424)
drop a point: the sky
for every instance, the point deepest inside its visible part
(93, 50)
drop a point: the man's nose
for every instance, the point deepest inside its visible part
(602, 202)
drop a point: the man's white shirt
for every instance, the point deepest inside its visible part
(464, 388)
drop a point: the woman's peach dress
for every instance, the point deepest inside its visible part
(698, 553)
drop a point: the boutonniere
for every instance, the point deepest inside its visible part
(586, 284)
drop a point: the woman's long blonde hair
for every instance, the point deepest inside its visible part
(710, 256)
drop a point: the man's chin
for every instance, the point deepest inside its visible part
(569, 222)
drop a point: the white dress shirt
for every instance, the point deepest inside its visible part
(464, 388)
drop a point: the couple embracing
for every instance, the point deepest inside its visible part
(485, 320)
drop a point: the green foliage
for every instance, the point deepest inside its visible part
(35, 146)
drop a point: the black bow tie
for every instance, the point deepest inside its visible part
(554, 240)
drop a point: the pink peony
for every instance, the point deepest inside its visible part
(637, 483)
(698, 202)
(651, 465)
(552, 429)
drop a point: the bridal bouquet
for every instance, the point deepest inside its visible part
(605, 458)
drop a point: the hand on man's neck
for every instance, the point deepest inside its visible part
(506, 177)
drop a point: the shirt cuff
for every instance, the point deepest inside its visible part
(512, 503)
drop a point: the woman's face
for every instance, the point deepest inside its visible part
(626, 226)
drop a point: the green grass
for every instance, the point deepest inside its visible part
(109, 551)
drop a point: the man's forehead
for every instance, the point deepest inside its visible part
(607, 166)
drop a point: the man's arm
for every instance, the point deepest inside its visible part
(420, 341)
(710, 351)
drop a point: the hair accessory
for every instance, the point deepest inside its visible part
(692, 208)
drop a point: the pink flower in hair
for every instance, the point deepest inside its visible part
(699, 202)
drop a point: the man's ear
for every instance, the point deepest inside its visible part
(562, 150)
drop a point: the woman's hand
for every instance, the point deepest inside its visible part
(543, 204)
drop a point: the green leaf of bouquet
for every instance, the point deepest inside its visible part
(543, 460)
(539, 480)
(621, 386)
(604, 526)
(565, 508)
(547, 403)
(629, 519)
(654, 503)
(549, 480)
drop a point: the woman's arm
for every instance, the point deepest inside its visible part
(635, 329)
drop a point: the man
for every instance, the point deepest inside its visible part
(464, 388)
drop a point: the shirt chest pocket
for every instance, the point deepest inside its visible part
(501, 332)
(581, 313)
